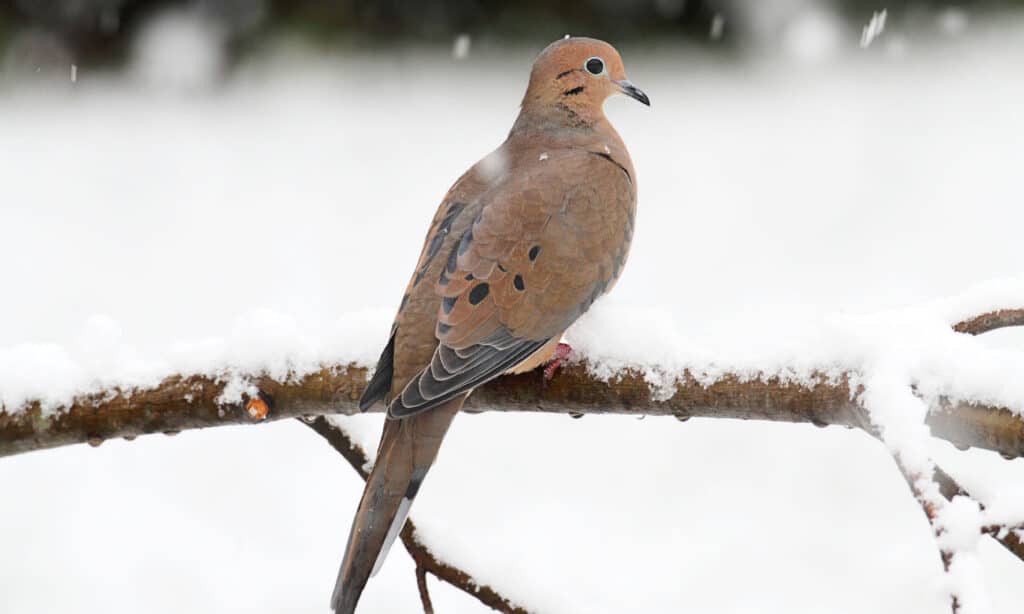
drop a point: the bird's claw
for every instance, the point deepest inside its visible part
(561, 354)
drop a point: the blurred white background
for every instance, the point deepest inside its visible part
(182, 199)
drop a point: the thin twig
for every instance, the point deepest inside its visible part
(992, 320)
(421, 584)
(421, 554)
(1007, 536)
(931, 512)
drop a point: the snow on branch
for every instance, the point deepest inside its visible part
(898, 377)
(179, 403)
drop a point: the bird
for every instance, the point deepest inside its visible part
(520, 247)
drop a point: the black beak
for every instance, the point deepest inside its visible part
(633, 91)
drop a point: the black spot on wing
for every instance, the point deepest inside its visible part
(464, 242)
(449, 268)
(478, 293)
(435, 243)
(519, 283)
(534, 252)
(437, 239)
(447, 303)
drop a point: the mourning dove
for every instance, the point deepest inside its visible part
(521, 246)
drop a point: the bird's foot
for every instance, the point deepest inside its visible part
(561, 355)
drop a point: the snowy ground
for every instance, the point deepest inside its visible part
(152, 230)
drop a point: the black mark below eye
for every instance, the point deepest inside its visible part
(478, 294)
(573, 91)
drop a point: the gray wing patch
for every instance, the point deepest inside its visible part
(453, 372)
(380, 383)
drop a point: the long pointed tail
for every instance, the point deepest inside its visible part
(407, 449)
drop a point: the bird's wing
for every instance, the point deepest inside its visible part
(542, 248)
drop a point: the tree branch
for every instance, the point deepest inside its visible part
(929, 507)
(421, 584)
(184, 402)
(1009, 537)
(420, 553)
(1001, 318)
(180, 403)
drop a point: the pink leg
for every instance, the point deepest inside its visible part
(562, 352)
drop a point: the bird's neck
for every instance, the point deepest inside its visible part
(541, 115)
(557, 127)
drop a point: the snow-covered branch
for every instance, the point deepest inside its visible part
(180, 403)
(878, 395)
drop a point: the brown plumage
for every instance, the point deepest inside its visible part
(521, 246)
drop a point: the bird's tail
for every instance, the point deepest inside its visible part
(407, 449)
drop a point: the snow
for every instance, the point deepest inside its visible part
(953, 21)
(179, 51)
(460, 48)
(790, 221)
(874, 28)
(717, 27)
(813, 36)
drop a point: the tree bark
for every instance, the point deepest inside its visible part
(186, 402)
(180, 403)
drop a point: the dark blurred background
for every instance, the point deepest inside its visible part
(99, 32)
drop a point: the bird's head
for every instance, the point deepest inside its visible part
(578, 74)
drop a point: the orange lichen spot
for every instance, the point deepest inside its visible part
(257, 408)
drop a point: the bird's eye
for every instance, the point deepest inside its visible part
(595, 66)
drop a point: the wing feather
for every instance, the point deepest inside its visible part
(539, 250)
(450, 375)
